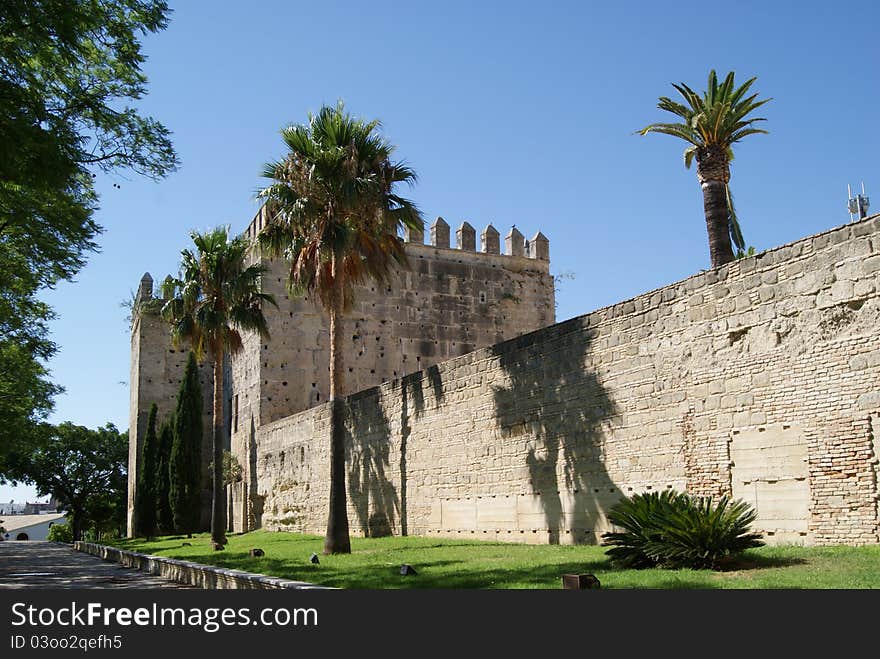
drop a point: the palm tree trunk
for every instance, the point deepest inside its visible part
(218, 501)
(337, 540)
(713, 173)
(717, 219)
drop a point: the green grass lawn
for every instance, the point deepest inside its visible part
(375, 563)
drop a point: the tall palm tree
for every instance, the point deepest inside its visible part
(334, 215)
(216, 297)
(712, 124)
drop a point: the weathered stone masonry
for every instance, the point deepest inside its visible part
(447, 303)
(157, 369)
(759, 379)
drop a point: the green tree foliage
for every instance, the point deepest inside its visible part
(216, 298)
(334, 212)
(164, 515)
(711, 124)
(79, 467)
(185, 463)
(676, 530)
(60, 532)
(68, 68)
(146, 497)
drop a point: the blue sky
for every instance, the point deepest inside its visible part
(511, 113)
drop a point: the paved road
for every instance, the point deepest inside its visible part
(51, 565)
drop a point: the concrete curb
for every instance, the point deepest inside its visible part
(196, 574)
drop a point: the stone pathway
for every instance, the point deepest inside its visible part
(51, 565)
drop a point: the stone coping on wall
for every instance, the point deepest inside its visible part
(638, 305)
(195, 574)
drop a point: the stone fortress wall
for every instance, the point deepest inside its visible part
(449, 302)
(759, 379)
(157, 368)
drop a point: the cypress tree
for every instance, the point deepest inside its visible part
(145, 499)
(186, 453)
(165, 517)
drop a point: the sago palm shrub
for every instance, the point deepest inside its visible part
(672, 529)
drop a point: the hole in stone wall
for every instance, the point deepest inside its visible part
(737, 335)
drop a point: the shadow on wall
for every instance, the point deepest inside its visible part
(558, 403)
(380, 508)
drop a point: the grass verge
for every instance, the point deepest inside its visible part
(442, 563)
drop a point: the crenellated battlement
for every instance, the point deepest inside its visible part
(515, 244)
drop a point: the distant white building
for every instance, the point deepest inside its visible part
(29, 527)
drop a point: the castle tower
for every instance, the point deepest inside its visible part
(446, 303)
(156, 371)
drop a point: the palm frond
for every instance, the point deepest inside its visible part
(332, 196)
(676, 130)
(736, 237)
(716, 119)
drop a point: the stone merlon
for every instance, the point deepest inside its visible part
(514, 243)
(466, 237)
(490, 240)
(415, 235)
(440, 233)
(539, 247)
(145, 290)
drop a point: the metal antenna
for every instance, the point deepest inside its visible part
(858, 205)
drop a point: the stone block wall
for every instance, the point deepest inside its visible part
(157, 368)
(446, 303)
(759, 379)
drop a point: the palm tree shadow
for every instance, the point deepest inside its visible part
(380, 508)
(557, 403)
(752, 561)
(374, 497)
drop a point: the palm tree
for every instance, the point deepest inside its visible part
(334, 215)
(712, 124)
(216, 298)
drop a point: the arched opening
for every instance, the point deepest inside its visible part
(22, 536)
